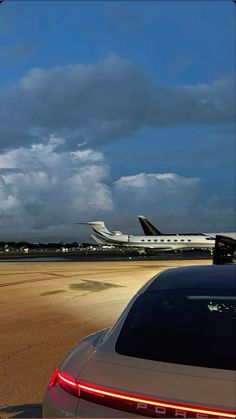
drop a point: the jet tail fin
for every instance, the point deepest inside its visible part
(148, 228)
(97, 226)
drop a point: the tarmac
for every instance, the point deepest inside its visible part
(46, 307)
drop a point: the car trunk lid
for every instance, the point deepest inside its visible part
(155, 388)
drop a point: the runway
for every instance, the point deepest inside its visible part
(46, 307)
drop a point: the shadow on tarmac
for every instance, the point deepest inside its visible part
(22, 411)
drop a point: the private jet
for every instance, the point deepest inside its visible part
(150, 230)
(163, 242)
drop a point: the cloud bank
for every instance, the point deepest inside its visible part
(102, 102)
(44, 191)
(40, 187)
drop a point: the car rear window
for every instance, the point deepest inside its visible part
(187, 327)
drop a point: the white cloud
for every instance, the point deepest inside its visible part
(87, 155)
(155, 179)
(157, 191)
(41, 187)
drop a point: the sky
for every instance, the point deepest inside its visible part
(113, 109)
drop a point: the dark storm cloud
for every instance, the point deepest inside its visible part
(103, 102)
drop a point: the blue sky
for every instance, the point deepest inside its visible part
(175, 42)
(146, 87)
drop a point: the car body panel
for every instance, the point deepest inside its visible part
(182, 387)
(88, 409)
(58, 403)
(80, 353)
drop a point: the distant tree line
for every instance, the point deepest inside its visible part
(24, 244)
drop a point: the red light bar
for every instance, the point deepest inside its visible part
(158, 403)
(63, 378)
(78, 388)
(53, 379)
(68, 383)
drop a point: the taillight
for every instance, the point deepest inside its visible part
(53, 379)
(133, 403)
(67, 383)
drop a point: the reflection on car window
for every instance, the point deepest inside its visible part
(183, 327)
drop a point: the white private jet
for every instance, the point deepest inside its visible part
(159, 242)
(150, 230)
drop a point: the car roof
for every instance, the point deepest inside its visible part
(195, 277)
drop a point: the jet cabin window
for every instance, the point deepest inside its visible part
(182, 327)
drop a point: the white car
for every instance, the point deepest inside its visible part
(172, 353)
